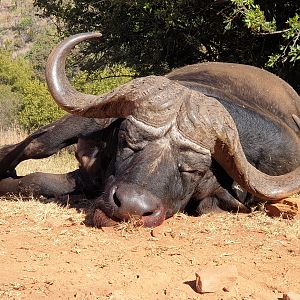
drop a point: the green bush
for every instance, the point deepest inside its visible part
(10, 103)
(27, 99)
(38, 107)
(14, 72)
(13, 75)
(102, 81)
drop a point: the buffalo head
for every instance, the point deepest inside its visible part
(165, 145)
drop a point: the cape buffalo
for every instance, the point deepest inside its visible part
(157, 145)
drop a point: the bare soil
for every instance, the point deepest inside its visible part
(48, 251)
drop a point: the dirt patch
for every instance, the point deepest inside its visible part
(47, 252)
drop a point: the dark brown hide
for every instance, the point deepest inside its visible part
(249, 85)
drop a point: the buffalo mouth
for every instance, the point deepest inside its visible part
(103, 219)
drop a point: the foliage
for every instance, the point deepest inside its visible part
(9, 106)
(156, 36)
(14, 72)
(148, 36)
(23, 97)
(38, 108)
(254, 18)
(292, 36)
(100, 82)
(44, 41)
(26, 98)
(13, 75)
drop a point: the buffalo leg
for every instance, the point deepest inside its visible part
(222, 200)
(41, 184)
(45, 142)
(213, 195)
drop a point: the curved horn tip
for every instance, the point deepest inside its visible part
(92, 34)
(297, 120)
(79, 37)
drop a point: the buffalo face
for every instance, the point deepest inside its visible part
(154, 175)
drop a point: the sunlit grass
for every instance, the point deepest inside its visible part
(61, 162)
(11, 135)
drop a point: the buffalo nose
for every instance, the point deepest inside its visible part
(129, 200)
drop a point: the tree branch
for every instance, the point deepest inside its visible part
(273, 32)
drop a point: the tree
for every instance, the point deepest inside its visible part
(283, 29)
(156, 36)
(42, 45)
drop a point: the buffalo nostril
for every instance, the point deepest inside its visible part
(116, 200)
(148, 213)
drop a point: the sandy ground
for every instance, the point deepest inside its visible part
(48, 251)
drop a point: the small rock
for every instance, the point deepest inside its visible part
(212, 279)
(291, 296)
(157, 233)
(288, 208)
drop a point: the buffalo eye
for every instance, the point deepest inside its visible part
(187, 169)
(125, 141)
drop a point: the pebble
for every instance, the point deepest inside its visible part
(213, 279)
(291, 296)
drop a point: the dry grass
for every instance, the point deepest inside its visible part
(253, 222)
(37, 209)
(62, 162)
(132, 226)
(12, 135)
(37, 212)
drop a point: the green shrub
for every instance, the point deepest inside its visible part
(10, 103)
(14, 72)
(102, 81)
(13, 75)
(38, 107)
(27, 99)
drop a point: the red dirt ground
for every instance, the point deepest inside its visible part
(46, 252)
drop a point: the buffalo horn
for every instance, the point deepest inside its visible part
(205, 121)
(145, 98)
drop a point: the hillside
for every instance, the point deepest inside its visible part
(19, 25)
